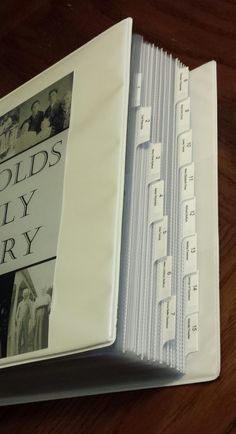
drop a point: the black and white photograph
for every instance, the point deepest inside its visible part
(25, 309)
(40, 117)
(9, 130)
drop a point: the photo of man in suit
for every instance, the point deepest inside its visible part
(36, 117)
(24, 315)
(54, 112)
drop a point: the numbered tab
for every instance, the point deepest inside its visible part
(191, 333)
(189, 251)
(188, 217)
(164, 274)
(185, 148)
(191, 290)
(187, 182)
(136, 91)
(154, 164)
(156, 201)
(144, 125)
(182, 83)
(183, 116)
(160, 239)
(168, 315)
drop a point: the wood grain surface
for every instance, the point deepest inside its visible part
(33, 35)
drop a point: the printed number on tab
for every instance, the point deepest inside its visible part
(187, 182)
(188, 217)
(154, 166)
(182, 83)
(185, 148)
(136, 95)
(156, 201)
(168, 314)
(191, 290)
(189, 254)
(164, 274)
(191, 333)
(144, 124)
(160, 238)
(183, 116)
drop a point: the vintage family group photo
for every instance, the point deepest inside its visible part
(27, 320)
(37, 119)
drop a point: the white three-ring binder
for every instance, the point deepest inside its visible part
(135, 300)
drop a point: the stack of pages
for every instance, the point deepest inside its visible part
(159, 276)
(109, 224)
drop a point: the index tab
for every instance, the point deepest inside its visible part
(185, 148)
(183, 116)
(168, 314)
(144, 125)
(191, 290)
(191, 333)
(160, 239)
(187, 182)
(156, 201)
(188, 217)
(182, 83)
(164, 274)
(154, 164)
(189, 253)
(136, 90)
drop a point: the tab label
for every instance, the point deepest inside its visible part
(136, 96)
(187, 182)
(192, 332)
(183, 116)
(144, 125)
(188, 217)
(191, 290)
(160, 239)
(190, 254)
(154, 165)
(168, 315)
(182, 83)
(164, 274)
(185, 148)
(156, 201)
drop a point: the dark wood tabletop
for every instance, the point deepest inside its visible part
(34, 34)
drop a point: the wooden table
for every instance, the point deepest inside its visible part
(33, 35)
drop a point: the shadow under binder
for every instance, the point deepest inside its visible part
(78, 376)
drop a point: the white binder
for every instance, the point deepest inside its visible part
(86, 326)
